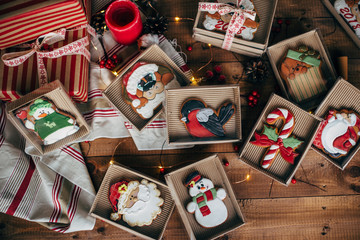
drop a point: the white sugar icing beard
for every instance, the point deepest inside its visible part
(147, 111)
(334, 129)
(350, 14)
(146, 209)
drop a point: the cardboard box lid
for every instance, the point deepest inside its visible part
(342, 96)
(211, 168)
(214, 97)
(266, 11)
(114, 91)
(102, 209)
(56, 92)
(314, 40)
(305, 128)
(330, 6)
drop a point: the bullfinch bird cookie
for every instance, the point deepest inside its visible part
(207, 201)
(47, 121)
(202, 121)
(338, 133)
(276, 140)
(138, 203)
(349, 10)
(144, 85)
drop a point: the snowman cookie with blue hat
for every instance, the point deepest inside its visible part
(207, 201)
(50, 124)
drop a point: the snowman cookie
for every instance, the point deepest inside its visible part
(144, 87)
(207, 201)
(47, 121)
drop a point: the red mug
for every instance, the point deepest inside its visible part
(124, 21)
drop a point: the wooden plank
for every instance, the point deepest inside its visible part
(335, 217)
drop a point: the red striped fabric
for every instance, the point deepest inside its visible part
(26, 26)
(72, 71)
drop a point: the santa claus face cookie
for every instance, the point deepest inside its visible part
(338, 133)
(207, 202)
(143, 87)
(137, 203)
(49, 123)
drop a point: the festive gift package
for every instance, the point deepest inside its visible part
(280, 139)
(62, 55)
(303, 68)
(22, 21)
(347, 14)
(133, 202)
(139, 90)
(47, 117)
(338, 136)
(205, 200)
(241, 26)
(203, 115)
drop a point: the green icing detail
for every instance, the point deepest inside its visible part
(302, 57)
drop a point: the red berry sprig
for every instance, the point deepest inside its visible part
(109, 63)
(253, 98)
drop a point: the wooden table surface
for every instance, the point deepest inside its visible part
(325, 201)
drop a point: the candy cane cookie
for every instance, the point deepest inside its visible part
(282, 142)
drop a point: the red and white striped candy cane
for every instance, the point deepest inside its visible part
(288, 118)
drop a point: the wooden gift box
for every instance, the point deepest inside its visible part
(102, 209)
(314, 40)
(329, 4)
(114, 91)
(214, 97)
(212, 168)
(56, 92)
(253, 48)
(305, 128)
(342, 96)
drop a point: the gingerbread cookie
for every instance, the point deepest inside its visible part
(301, 71)
(137, 203)
(202, 121)
(207, 201)
(277, 142)
(215, 21)
(349, 10)
(144, 85)
(47, 121)
(338, 133)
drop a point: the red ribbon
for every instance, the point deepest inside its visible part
(287, 153)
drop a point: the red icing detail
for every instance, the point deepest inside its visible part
(200, 199)
(209, 195)
(195, 128)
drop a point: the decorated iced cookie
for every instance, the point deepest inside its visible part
(202, 121)
(138, 203)
(338, 133)
(275, 142)
(144, 85)
(207, 201)
(349, 10)
(301, 71)
(47, 121)
(214, 21)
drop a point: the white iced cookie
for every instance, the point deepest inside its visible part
(207, 202)
(137, 203)
(349, 10)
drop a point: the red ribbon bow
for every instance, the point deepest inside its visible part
(287, 153)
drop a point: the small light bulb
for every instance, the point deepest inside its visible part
(177, 19)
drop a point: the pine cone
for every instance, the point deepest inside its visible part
(256, 71)
(156, 24)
